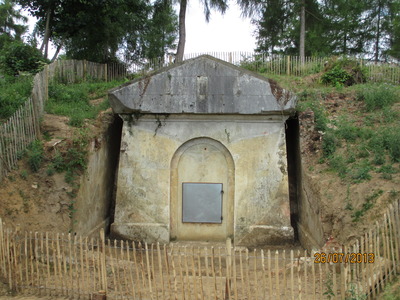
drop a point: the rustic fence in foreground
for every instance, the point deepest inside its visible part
(75, 266)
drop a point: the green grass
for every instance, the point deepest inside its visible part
(378, 96)
(360, 142)
(73, 100)
(14, 91)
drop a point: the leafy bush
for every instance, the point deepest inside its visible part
(343, 72)
(14, 91)
(18, 57)
(336, 77)
(378, 96)
(35, 155)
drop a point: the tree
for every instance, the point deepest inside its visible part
(220, 5)
(291, 27)
(19, 57)
(162, 30)
(394, 30)
(103, 30)
(9, 28)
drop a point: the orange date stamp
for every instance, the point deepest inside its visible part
(339, 257)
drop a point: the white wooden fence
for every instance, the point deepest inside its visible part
(63, 264)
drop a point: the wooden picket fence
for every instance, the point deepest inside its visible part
(75, 266)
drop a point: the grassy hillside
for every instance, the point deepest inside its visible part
(352, 151)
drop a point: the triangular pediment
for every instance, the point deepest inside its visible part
(203, 85)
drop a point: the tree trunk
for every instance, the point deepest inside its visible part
(378, 33)
(182, 31)
(57, 51)
(302, 31)
(46, 38)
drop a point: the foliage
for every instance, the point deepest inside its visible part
(72, 161)
(162, 30)
(392, 290)
(329, 293)
(343, 72)
(124, 28)
(339, 27)
(18, 57)
(378, 96)
(10, 19)
(386, 140)
(336, 77)
(35, 155)
(14, 91)
(329, 142)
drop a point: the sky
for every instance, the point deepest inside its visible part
(224, 33)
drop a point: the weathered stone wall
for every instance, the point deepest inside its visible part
(257, 146)
(94, 199)
(309, 226)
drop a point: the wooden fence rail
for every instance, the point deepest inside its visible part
(63, 264)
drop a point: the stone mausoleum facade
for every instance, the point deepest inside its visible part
(203, 156)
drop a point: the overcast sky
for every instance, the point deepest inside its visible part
(228, 32)
(224, 33)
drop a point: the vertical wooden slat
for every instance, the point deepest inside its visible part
(118, 287)
(277, 277)
(271, 291)
(200, 274)
(153, 269)
(194, 274)
(187, 272)
(371, 268)
(171, 255)
(390, 239)
(70, 266)
(243, 283)
(247, 273)
(213, 273)
(181, 278)
(300, 291)
(132, 282)
(126, 289)
(257, 290)
(139, 285)
(166, 259)
(291, 274)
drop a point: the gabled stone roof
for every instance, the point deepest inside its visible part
(203, 85)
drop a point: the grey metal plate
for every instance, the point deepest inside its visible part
(202, 202)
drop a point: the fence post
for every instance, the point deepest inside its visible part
(288, 66)
(84, 70)
(103, 272)
(228, 266)
(105, 73)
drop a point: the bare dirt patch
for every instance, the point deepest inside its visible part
(41, 201)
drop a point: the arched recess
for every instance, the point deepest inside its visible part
(206, 162)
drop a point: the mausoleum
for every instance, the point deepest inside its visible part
(203, 156)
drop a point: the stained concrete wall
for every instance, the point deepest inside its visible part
(94, 200)
(257, 146)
